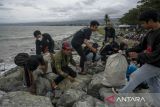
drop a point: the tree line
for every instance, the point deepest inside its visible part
(131, 17)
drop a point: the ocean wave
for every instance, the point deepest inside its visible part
(15, 38)
(55, 37)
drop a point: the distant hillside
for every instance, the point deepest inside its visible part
(63, 23)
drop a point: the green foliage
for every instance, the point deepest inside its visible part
(132, 16)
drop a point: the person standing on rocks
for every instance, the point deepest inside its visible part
(148, 53)
(109, 33)
(83, 37)
(43, 38)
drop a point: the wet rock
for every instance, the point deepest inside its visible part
(24, 99)
(69, 97)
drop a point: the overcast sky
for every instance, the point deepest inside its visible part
(12, 11)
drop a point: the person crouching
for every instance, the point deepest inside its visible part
(62, 60)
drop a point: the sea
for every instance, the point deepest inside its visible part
(17, 39)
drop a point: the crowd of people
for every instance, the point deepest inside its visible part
(45, 70)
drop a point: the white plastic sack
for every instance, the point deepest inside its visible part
(115, 70)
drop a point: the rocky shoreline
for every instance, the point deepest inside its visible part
(87, 91)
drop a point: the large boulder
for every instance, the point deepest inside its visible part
(69, 97)
(89, 101)
(12, 81)
(80, 83)
(95, 84)
(24, 99)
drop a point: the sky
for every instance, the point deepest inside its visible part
(15, 11)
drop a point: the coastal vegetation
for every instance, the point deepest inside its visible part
(131, 16)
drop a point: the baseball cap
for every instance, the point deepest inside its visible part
(66, 45)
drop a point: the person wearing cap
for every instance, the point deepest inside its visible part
(62, 60)
(82, 37)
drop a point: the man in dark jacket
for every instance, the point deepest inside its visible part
(82, 37)
(148, 53)
(43, 39)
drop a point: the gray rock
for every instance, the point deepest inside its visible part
(95, 68)
(89, 101)
(11, 84)
(2, 93)
(95, 84)
(85, 101)
(105, 92)
(69, 97)
(1, 60)
(24, 99)
(81, 83)
(12, 81)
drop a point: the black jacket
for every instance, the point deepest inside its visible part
(38, 47)
(80, 36)
(109, 33)
(47, 40)
(149, 48)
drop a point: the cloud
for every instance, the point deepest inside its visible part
(89, 2)
(5, 8)
(60, 10)
(1, 5)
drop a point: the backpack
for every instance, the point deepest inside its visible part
(21, 58)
